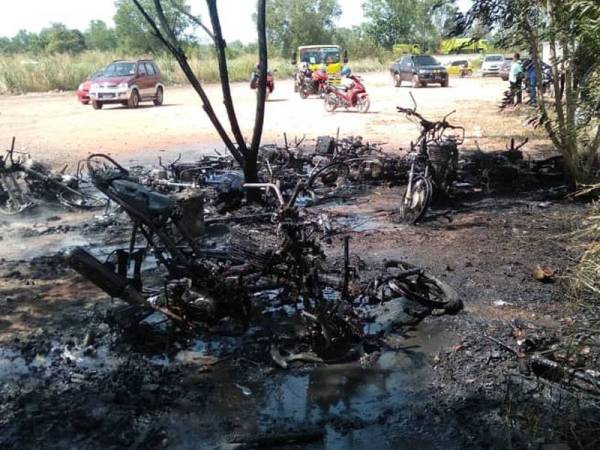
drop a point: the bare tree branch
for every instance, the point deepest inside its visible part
(194, 19)
(224, 74)
(165, 24)
(155, 29)
(175, 49)
(262, 81)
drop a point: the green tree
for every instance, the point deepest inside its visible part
(358, 42)
(301, 22)
(5, 45)
(59, 39)
(26, 42)
(133, 32)
(405, 21)
(99, 37)
(570, 29)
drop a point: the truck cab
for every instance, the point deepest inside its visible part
(317, 56)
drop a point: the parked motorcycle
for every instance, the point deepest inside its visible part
(270, 82)
(465, 71)
(351, 96)
(314, 83)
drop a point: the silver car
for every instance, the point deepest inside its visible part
(492, 65)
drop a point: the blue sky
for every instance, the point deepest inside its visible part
(33, 15)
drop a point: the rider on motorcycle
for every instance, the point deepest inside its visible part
(256, 75)
(347, 81)
(305, 70)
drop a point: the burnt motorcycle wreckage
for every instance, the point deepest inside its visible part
(278, 263)
(24, 183)
(433, 166)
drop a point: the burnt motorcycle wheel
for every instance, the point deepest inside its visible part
(332, 175)
(414, 204)
(83, 200)
(330, 103)
(331, 336)
(11, 208)
(401, 278)
(363, 104)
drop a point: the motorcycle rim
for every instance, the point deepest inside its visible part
(415, 202)
(363, 105)
(330, 104)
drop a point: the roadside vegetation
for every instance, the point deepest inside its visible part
(59, 58)
(23, 73)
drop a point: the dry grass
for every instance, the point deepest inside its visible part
(493, 129)
(586, 279)
(24, 73)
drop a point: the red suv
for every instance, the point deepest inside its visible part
(128, 83)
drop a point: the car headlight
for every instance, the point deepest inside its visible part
(422, 71)
(124, 86)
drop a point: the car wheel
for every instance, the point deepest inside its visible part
(85, 102)
(97, 105)
(159, 97)
(445, 83)
(134, 99)
(397, 80)
(415, 82)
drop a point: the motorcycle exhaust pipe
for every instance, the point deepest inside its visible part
(113, 284)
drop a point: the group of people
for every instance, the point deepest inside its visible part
(523, 72)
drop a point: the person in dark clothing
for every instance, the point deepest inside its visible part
(531, 80)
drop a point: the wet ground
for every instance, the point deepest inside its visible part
(70, 378)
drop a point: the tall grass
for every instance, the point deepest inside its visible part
(586, 280)
(24, 73)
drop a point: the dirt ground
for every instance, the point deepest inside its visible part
(57, 129)
(69, 378)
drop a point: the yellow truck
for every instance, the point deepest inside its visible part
(463, 45)
(406, 49)
(332, 56)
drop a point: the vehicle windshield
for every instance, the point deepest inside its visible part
(119, 70)
(494, 58)
(425, 60)
(323, 55)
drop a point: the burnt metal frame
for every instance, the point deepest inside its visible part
(148, 226)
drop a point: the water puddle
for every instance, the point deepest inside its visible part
(350, 402)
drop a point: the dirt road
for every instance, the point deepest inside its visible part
(57, 129)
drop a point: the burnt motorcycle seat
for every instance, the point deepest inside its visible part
(142, 198)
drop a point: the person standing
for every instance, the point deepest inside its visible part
(531, 77)
(515, 78)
